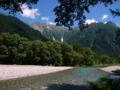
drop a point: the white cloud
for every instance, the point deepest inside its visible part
(45, 18)
(105, 22)
(52, 23)
(89, 21)
(30, 13)
(104, 17)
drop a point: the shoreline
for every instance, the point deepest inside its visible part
(17, 71)
(109, 69)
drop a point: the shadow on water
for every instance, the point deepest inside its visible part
(66, 87)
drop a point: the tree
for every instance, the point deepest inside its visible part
(73, 10)
(78, 48)
(57, 59)
(3, 53)
(66, 51)
(15, 5)
(77, 59)
(105, 83)
(105, 59)
(67, 12)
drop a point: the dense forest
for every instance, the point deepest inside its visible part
(19, 50)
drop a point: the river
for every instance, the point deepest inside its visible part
(73, 79)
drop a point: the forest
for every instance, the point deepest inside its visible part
(19, 50)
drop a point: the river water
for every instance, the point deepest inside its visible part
(73, 79)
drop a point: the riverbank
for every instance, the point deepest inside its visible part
(109, 69)
(17, 71)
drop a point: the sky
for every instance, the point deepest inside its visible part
(43, 12)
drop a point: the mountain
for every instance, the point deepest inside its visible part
(98, 36)
(54, 32)
(14, 25)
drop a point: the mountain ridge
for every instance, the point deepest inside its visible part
(98, 36)
(14, 25)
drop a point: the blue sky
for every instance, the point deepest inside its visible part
(43, 12)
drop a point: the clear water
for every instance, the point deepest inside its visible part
(73, 79)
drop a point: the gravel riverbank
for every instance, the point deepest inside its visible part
(16, 71)
(110, 68)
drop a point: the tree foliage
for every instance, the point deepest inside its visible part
(15, 5)
(18, 50)
(66, 13)
(73, 10)
(105, 83)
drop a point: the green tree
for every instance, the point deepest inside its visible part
(78, 48)
(12, 55)
(29, 57)
(44, 54)
(88, 57)
(118, 59)
(15, 48)
(66, 48)
(97, 58)
(3, 53)
(88, 60)
(105, 59)
(68, 59)
(35, 51)
(66, 51)
(57, 60)
(104, 83)
(56, 56)
(51, 50)
(88, 51)
(77, 59)
(57, 46)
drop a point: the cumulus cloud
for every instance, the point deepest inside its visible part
(52, 23)
(89, 21)
(104, 17)
(30, 13)
(45, 18)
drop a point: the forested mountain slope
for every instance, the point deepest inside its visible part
(99, 36)
(14, 25)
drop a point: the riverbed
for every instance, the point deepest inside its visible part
(73, 79)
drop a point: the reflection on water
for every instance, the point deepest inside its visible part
(73, 79)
